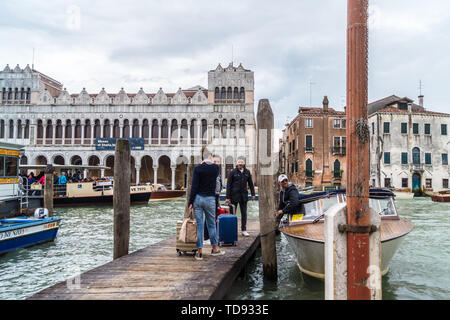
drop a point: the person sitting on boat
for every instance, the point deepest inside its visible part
(289, 199)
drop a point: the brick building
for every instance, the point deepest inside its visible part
(313, 147)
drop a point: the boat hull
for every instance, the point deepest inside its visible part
(404, 195)
(135, 198)
(25, 236)
(310, 252)
(167, 194)
(440, 198)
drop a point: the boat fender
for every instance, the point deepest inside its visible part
(41, 213)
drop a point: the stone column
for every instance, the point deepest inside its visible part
(121, 135)
(173, 176)
(138, 171)
(179, 132)
(92, 133)
(72, 134)
(85, 173)
(102, 173)
(159, 133)
(82, 133)
(111, 126)
(155, 174)
(44, 133)
(53, 133)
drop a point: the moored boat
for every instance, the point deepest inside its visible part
(305, 233)
(441, 196)
(405, 194)
(24, 232)
(160, 192)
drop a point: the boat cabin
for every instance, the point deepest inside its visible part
(317, 204)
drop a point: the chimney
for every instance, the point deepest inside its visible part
(421, 101)
(325, 104)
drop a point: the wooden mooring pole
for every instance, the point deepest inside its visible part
(48, 189)
(121, 198)
(266, 201)
(358, 213)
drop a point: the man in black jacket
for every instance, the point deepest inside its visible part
(289, 199)
(237, 193)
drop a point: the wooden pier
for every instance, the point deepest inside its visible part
(157, 272)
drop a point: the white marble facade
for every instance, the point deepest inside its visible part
(58, 127)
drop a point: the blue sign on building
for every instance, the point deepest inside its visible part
(110, 143)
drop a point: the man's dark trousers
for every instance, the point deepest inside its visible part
(242, 201)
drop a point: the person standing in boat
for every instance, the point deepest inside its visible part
(237, 193)
(62, 181)
(202, 200)
(289, 199)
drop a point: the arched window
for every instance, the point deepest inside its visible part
(242, 94)
(49, 132)
(116, 129)
(19, 129)
(164, 131)
(2, 129)
(16, 94)
(145, 130)
(155, 131)
(58, 132)
(216, 93)
(174, 132)
(28, 94)
(223, 95)
(77, 133)
(10, 95)
(4, 94)
(135, 133)
(184, 131)
(229, 93)
(216, 129)
(337, 169)
(87, 132)
(204, 131)
(11, 129)
(97, 129)
(40, 132)
(106, 128)
(194, 134)
(26, 132)
(68, 132)
(309, 168)
(232, 128)
(126, 128)
(22, 94)
(224, 128)
(242, 128)
(416, 155)
(236, 93)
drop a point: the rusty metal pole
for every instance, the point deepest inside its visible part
(358, 213)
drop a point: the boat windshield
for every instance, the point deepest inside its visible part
(315, 209)
(384, 207)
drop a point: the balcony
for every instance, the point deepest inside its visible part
(309, 149)
(309, 173)
(337, 175)
(416, 167)
(336, 150)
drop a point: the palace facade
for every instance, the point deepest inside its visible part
(61, 128)
(409, 145)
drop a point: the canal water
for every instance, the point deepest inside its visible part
(419, 270)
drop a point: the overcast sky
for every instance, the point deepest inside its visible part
(295, 47)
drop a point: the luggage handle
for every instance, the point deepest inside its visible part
(232, 207)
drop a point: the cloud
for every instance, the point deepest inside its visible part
(288, 44)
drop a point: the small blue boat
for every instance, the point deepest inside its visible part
(23, 232)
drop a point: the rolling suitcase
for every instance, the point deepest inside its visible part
(227, 228)
(183, 247)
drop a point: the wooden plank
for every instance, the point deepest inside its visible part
(157, 272)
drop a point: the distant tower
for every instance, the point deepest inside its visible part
(231, 85)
